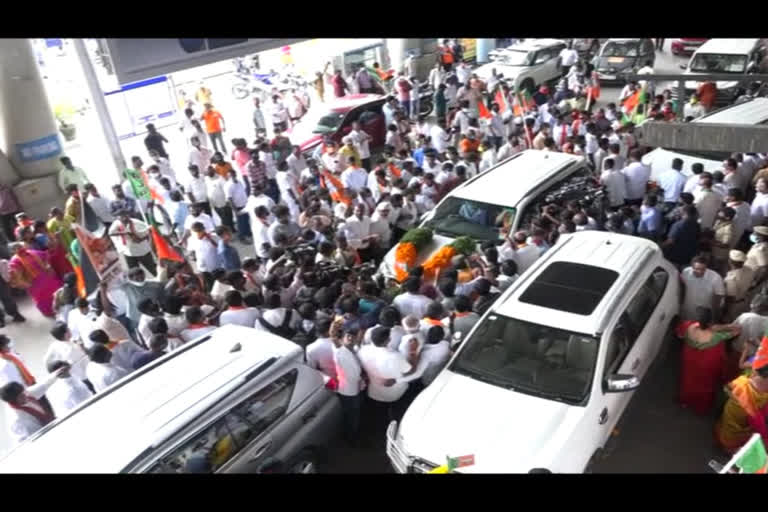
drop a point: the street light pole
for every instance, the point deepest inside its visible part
(101, 107)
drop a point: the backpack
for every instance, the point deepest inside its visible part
(284, 331)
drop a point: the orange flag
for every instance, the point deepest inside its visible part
(81, 290)
(163, 248)
(483, 110)
(631, 102)
(501, 101)
(395, 171)
(337, 195)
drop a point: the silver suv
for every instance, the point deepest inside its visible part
(235, 401)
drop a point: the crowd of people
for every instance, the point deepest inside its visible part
(312, 230)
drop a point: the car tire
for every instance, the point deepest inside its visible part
(528, 85)
(240, 91)
(304, 463)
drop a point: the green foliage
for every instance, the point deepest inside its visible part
(419, 237)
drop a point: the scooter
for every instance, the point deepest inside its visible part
(260, 84)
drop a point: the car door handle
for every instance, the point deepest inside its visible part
(603, 416)
(635, 364)
(261, 450)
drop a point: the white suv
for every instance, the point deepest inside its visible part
(526, 65)
(545, 375)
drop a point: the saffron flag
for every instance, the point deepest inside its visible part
(163, 249)
(483, 110)
(631, 102)
(501, 101)
(751, 458)
(395, 171)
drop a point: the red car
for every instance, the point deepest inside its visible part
(686, 45)
(335, 119)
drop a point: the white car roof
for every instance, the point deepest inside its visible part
(622, 254)
(509, 182)
(728, 46)
(535, 44)
(112, 429)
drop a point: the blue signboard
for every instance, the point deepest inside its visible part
(39, 149)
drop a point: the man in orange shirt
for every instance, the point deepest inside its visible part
(214, 126)
(707, 95)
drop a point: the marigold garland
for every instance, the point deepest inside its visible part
(405, 259)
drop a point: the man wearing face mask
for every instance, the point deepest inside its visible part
(131, 239)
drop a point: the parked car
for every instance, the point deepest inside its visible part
(686, 45)
(545, 375)
(736, 56)
(623, 56)
(237, 400)
(587, 47)
(537, 175)
(751, 112)
(527, 64)
(335, 119)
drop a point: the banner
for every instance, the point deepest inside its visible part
(99, 260)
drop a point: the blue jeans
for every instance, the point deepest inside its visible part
(243, 227)
(406, 106)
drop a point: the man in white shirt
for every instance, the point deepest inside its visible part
(274, 316)
(320, 353)
(26, 413)
(217, 197)
(672, 182)
(199, 156)
(518, 249)
(354, 178)
(383, 367)
(446, 174)
(260, 232)
(63, 348)
(204, 245)
(67, 391)
(100, 371)
(197, 191)
(636, 175)
(703, 288)
(196, 324)
(568, 57)
(196, 215)
(234, 189)
(131, 239)
(122, 350)
(434, 355)
(259, 198)
(296, 162)
(357, 229)
(412, 303)
(754, 324)
(349, 377)
(461, 121)
(361, 140)
(707, 202)
(99, 204)
(236, 312)
(742, 222)
(759, 207)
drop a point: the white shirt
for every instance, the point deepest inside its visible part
(360, 139)
(759, 208)
(407, 339)
(753, 327)
(219, 290)
(260, 232)
(615, 186)
(699, 292)
(203, 218)
(215, 191)
(201, 158)
(432, 169)
(461, 121)
(439, 138)
(708, 202)
(100, 207)
(569, 56)
(692, 184)
(296, 164)
(434, 357)
(355, 230)
(188, 334)
(103, 375)
(245, 316)
(125, 244)
(636, 175)
(743, 220)
(68, 352)
(354, 178)
(348, 371)
(67, 393)
(206, 256)
(320, 354)
(396, 333)
(122, 354)
(488, 160)
(672, 182)
(275, 318)
(235, 191)
(524, 256)
(412, 304)
(382, 364)
(197, 187)
(269, 163)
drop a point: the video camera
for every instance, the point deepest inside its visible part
(301, 253)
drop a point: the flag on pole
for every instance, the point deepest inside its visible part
(453, 463)
(163, 249)
(483, 110)
(138, 182)
(631, 102)
(501, 100)
(751, 458)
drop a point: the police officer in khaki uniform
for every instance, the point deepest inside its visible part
(737, 282)
(757, 257)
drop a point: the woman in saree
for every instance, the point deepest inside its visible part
(747, 405)
(703, 360)
(59, 256)
(31, 270)
(60, 226)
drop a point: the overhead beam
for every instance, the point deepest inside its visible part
(743, 138)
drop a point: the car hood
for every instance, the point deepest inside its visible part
(507, 72)
(388, 263)
(301, 135)
(660, 160)
(617, 63)
(507, 432)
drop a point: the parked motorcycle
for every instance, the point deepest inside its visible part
(426, 96)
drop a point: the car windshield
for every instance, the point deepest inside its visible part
(530, 358)
(718, 63)
(513, 58)
(457, 217)
(625, 49)
(328, 123)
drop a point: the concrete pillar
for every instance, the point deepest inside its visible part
(484, 47)
(30, 136)
(398, 49)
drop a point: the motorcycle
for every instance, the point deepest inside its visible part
(426, 95)
(260, 84)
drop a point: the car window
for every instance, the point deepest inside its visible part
(617, 349)
(220, 442)
(543, 56)
(645, 300)
(532, 209)
(658, 282)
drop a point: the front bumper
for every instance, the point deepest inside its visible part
(400, 460)
(610, 76)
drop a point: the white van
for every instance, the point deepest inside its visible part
(737, 56)
(751, 112)
(543, 378)
(518, 186)
(237, 400)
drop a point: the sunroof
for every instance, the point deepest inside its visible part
(570, 287)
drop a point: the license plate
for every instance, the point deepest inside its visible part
(615, 60)
(607, 77)
(691, 48)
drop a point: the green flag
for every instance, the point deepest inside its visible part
(753, 458)
(140, 189)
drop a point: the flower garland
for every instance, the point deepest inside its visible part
(441, 259)
(407, 251)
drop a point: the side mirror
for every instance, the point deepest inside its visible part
(621, 383)
(683, 67)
